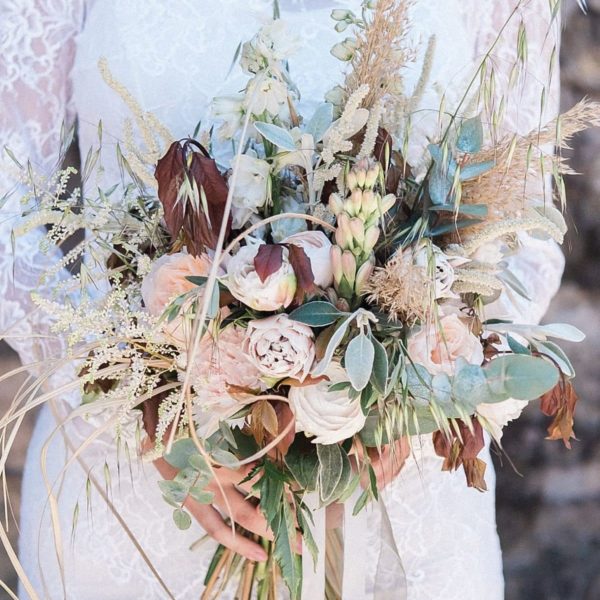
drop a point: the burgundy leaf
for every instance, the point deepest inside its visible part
(169, 174)
(268, 260)
(303, 270)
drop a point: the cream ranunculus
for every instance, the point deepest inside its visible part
(330, 417)
(219, 364)
(251, 188)
(280, 347)
(317, 247)
(278, 289)
(437, 349)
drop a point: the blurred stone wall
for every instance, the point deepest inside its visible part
(549, 507)
(549, 518)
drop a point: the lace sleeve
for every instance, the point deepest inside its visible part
(37, 39)
(525, 24)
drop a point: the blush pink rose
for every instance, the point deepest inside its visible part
(438, 348)
(316, 246)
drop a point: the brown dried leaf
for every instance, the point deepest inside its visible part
(268, 260)
(263, 420)
(561, 427)
(169, 173)
(475, 473)
(303, 270)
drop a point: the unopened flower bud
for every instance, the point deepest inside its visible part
(341, 26)
(361, 177)
(344, 50)
(343, 233)
(341, 14)
(371, 237)
(351, 181)
(372, 176)
(369, 202)
(355, 202)
(336, 264)
(363, 276)
(357, 228)
(349, 266)
(387, 202)
(336, 205)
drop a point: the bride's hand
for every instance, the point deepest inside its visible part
(386, 464)
(231, 502)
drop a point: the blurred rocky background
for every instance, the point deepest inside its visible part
(548, 502)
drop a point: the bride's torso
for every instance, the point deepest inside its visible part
(173, 61)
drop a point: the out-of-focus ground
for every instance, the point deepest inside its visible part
(548, 518)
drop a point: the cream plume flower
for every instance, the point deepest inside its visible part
(280, 347)
(437, 349)
(328, 416)
(278, 289)
(317, 247)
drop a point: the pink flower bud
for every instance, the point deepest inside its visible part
(349, 266)
(336, 264)
(343, 233)
(369, 202)
(351, 181)
(357, 228)
(361, 177)
(363, 276)
(355, 202)
(336, 204)
(372, 176)
(371, 237)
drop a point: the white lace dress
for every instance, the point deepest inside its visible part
(173, 58)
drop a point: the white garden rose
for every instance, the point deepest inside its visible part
(280, 347)
(438, 346)
(499, 414)
(317, 247)
(330, 417)
(278, 289)
(251, 187)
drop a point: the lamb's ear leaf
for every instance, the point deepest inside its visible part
(470, 135)
(358, 359)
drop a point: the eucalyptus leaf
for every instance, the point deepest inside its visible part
(474, 170)
(358, 360)
(182, 519)
(278, 136)
(470, 135)
(516, 346)
(470, 387)
(180, 454)
(174, 492)
(199, 494)
(555, 352)
(316, 314)
(418, 383)
(439, 185)
(521, 377)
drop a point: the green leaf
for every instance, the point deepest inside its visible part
(181, 452)
(358, 360)
(320, 121)
(361, 502)
(304, 467)
(340, 386)
(174, 492)
(380, 366)
(521, 377)
(439, 185)
(289, 562)
(470, 135)
(182, 519)
(334, 342)
(199, 494)
(517, 347)
(309, 540)
(470, 387)
(474, 170)
(418, 383)
(316, 314)
(270, 486)
(474, 210)
(555, 352)
(198, 462)
(331, 464)
(197, 280)
(278, 136)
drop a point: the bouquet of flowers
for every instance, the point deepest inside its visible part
(317, 298)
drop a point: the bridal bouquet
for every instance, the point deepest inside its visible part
(314, 298)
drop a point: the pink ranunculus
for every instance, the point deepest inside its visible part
(317, 247)
(220, 363)
(280, 347)
(278, 289)
(166, 281)
(437, 349)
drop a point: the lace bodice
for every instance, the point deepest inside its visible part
(173, 61)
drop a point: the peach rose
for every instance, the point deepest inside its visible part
(220, 363)
(437, 349)
(166, 281)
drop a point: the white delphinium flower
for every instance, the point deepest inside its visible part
(266, 94)
(230, 110)
(271, 45)
(252, 187)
